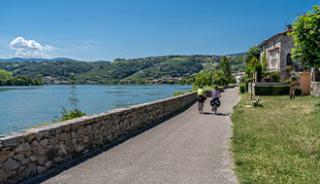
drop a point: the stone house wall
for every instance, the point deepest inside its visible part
(37, 150)
(268, 48)
(315, 89)
(282, 45)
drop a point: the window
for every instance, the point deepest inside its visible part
(274, 59)
(289, 60)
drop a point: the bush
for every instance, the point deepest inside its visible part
(258, 69)
(242, 88)
(275, 76)
(203, 79)
(72, 114)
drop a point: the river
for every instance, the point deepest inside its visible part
(25, 107)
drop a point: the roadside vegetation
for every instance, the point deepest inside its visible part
(220, 76)
(278, 142)
(74, 112)
(68, 113)
(277, 139)
(177, 93)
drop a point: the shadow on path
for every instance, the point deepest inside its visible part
(40, 178)
(218, 114)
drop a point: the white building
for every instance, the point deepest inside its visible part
(277, 50)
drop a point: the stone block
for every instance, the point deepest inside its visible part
(44, 142)
(11, 142)
(42, 159)
(11, 164)
(315, 89)
(62, 150)
(29, 171)
(35, 143)
(23, 147)
(21, 158)
(41, 169)
(48, 164)
(4, 155)
(3, 176)
(85, 139)
(42, 150)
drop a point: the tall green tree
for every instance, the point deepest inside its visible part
(264, 62)
(306, 36)
(220, 79)
(254, 66)
(226, 69)
(253, 52)
(203, 79)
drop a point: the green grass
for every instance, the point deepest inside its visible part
(177, 93)
(278, 142)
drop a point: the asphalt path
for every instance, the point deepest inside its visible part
(188, 148)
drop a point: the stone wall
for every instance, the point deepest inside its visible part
(37, 150)
(315, 89)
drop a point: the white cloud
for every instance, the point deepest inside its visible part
(29, 48)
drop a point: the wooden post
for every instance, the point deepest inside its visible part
(251, 86)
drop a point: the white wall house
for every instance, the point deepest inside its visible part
(278, 51)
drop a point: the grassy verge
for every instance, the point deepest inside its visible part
(279, 142)
(177, 93)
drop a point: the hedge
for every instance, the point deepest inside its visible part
(242, 88)
(274, 90)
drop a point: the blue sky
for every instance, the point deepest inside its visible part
(109, 29)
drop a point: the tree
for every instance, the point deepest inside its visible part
(254, 66)
(264, 62)
(203, 79)
(5, 75)
(306, 36)
(226, 69)
(219, 79)
(251, 66)
(253, 52)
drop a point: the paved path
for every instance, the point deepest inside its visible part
(189, 148)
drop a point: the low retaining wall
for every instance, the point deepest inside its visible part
(315, 89)
(37, 150)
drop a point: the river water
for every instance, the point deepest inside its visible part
(25, 107)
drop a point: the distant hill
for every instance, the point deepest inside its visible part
(160, 69)
(19, 59)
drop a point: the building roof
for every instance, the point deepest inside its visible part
(273, 38)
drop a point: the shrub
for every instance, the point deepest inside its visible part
(68, 115)
(258, 69)
(233, 85)
(203, 79)
(275, 76)
(242, 88)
